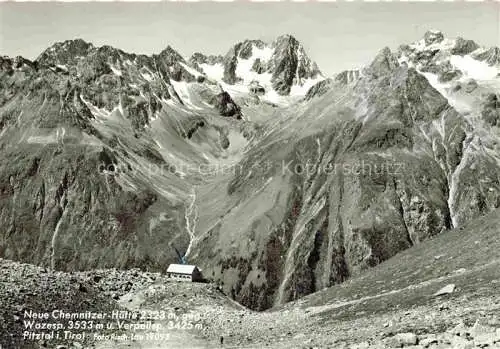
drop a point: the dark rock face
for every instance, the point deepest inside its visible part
(169, 62)
(17, 63)
(319, 89)
(449, 75)
(241, 50)
(419, 87)
(70, 192)
(226, 106)
(464, 47)
(444, 70)
(170, 56)
(256, 89)
(426, 57)
(258, 66)
(490, 56)
(230, 64)
(221, 101)
(285, 64)
(433, 37)
(384, 63)
(5, 64)
(289, 64)
(348, 76)
(199, 58)
(67, 52)
(491, 109)
(246, 48)
(470, 85)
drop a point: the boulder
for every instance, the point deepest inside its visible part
(402, 340)
(445, 290)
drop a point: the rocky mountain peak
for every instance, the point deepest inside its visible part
(65, 52)
(384, 63)
(319, 89)
(290, 65)
(435, 41)
(464, 47)
(245, 49)
(277, 66)
(433, 37)
(490, 56)
(286, 39)
(286, 46)
(111, 53)
(5, 63)
(199, 58)
(170, 55)
(452, 63)
(8, 64)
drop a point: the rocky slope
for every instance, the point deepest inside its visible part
(26, 288)
(94, 145)
(111, 159)
(385, 163)
(396, 304)
(439, 294)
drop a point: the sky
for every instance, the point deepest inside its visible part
(338, 36)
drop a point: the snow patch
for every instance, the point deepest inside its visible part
(244, 67)
(116, 71)
(301, 90)
(244, 71)
(182, 89)
(473, 68)
(443, 89)
(264, 54)
(190, 70)
(446, 44)
(147, 76)
(213, 71)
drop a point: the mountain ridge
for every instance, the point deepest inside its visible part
(274, 196)
(298, 69)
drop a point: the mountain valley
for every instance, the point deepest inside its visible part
(291, 190)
